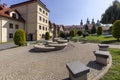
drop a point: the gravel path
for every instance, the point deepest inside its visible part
(22, 64)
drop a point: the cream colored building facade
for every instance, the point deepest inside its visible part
(36, 17)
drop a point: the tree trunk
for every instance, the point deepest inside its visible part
(117, 39)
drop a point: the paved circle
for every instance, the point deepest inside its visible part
(23, 64)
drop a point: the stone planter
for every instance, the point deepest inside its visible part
(103, 47)
(77, 71)
(102, 57)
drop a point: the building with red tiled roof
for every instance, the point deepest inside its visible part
(31, 15)
(10, 21)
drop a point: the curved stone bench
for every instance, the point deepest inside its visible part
(62, 41)
(103, 47)
(43, 48)
(56, 39)
(58, 46)
(51, 42)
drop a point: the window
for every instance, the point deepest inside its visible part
(10, 35)
(46, 21)
(11, 26)
(40, 9)
(40, 18)
(40, 27)
(43, 20)
(43, 12)
(43, 27)
(16, 26)
(14, 15)
(46, 14)
(46, 29)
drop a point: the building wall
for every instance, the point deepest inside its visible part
(40, 22)
(0, 29)
(31, 14)
(5, 30)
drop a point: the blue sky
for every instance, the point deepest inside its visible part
(70, 12)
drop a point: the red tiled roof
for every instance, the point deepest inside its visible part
(5, 12)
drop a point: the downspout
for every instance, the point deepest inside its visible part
(1, 30)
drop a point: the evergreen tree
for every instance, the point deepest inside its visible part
(112, 13)
(93, 30)
(116, 29)
(81, 23)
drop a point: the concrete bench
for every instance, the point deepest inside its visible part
(43, 48)
(62, 41)
(102, 57)
(103, 47)
(77, 71)
(58, 46)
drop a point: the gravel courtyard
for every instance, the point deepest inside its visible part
(22, 64)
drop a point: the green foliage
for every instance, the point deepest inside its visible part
(47, 36)
(79, 32)
(112, 13)
(73, 32)
(99, 31)
(114, 72)
(86, 27)
(20, 37)
(110, 30)
(116, 29)
(93, 30)
(62, 34)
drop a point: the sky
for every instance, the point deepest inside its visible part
(70, 12)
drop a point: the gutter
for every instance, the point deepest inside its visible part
(1, 30)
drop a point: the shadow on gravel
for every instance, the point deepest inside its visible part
(66, 79)
(95, 65)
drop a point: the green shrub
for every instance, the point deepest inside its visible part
(47, 36)
(20, 37)
(73, 33)
(93, 30)
(116, 29)
(62, 34)
(99, 31)
(79, 32)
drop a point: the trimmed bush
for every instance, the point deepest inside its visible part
(99, 31)
(79, 33)
(116, 29)
(47, 36)
(20, 37)
(73, 32)
(93, 30)
(62, 34)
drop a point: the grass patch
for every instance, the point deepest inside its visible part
(114, 72)
(99, 39)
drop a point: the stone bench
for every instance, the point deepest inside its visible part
(43, 48)
(102, 57)
(77, 71)
(103, 47)
(58, 46)
(62, 41)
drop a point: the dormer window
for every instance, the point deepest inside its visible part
(14, 15)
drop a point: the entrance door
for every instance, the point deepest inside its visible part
(31, 37)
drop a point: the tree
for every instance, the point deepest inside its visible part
(79, 32)
(110, 30)
(62, 34)
(47, 36)
(99, 31)
(93, 30)
(116, 29)
(112, 13)
(86, 27)
(20, 37)
(73, 33)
